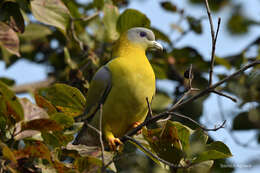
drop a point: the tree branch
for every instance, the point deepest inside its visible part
(224, 95)
(200, 94)
(100, 138)
(214, 41)
(20, 89)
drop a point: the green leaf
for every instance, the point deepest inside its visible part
(63, 138)
(9, 103)
(161, 101)
(214, 150)
(13, 15)
(238, 23)
(160, 68)
(183, 133)
(65, 98)
(195, 24)
(51, 12)
(45, 104)
(146, 145)
(170, 141)
(199, 136)
(98, 4)
(7, 152)
(7, 81)
(63, 119)
(9, 39)
(247, 120)
(132, 18)
(111, 15)
(88, 164)
(68, 59)
(168, 6)
(50, 139)
(35, 31)
(201, 167)
(3, 123)
(159, 35)
(222, 61)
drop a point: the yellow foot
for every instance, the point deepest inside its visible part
(136, 124)
(114, 143)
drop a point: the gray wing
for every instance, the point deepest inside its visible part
(97, 93)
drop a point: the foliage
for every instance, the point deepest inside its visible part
(74, 39)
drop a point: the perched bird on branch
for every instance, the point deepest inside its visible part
(121, 86)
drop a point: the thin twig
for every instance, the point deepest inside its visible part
(150, 112)
(190, 77)
(74, 35)
(214, 40)
(180, 100)
(198, 124)
(200, 94)
(210, 21)
(187, 92)
(212, 87)
(100, 137)
(30, 87)
(92, 127)
(224, 95)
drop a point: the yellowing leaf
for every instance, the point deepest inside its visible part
(45, 104)
(42, 125)
(38, 150)
(7, 153)
(63, 119)
(9, 103)
(51, 12)
(67, 99)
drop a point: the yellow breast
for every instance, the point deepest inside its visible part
(133, 80)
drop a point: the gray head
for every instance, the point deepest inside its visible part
(144, 37)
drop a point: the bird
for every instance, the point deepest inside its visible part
(122, 87)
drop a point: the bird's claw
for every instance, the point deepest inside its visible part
(114, 143)
(136, 124)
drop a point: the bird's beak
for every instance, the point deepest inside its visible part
(156, 45)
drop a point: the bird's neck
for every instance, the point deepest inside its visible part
(126, 48)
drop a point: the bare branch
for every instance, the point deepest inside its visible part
(150, 112)
(100, 137)
(19, 89)
(212, 87)
(210, 21)
(200, 94)
(214, 41)
(224, 95)
(198, 124)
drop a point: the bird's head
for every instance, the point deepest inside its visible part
(135, 40)
(143, 37)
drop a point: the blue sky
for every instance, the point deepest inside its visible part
(25, 72)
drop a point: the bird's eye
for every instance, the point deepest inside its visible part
(143, 34)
